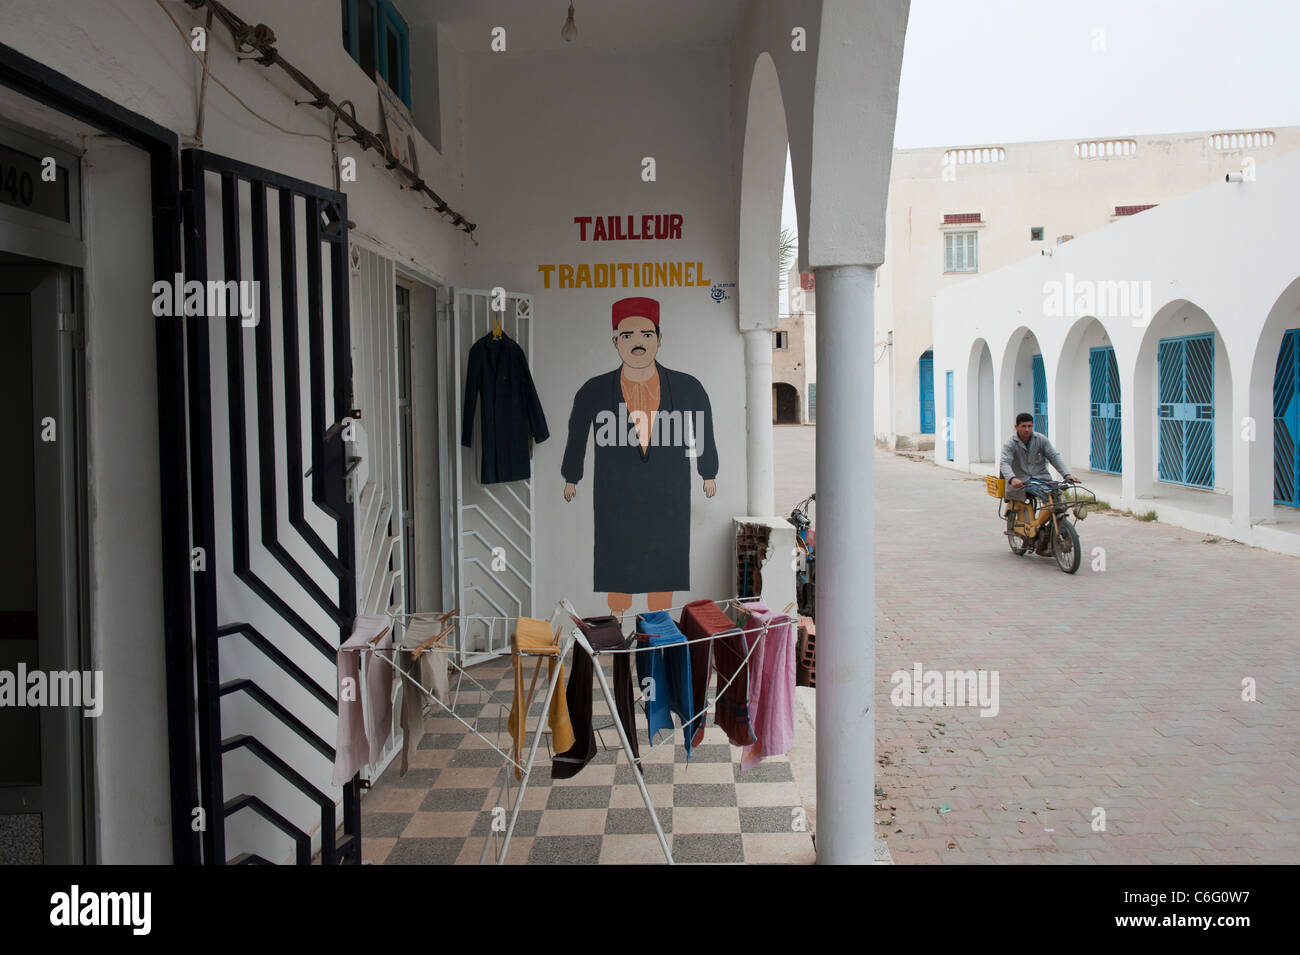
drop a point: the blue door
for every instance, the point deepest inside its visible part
(1186, 410)
(927, 393)
(1040, 396)
(948, 422)
(1104, 449)
(1286, 421)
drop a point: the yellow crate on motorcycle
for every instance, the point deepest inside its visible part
(996, 486)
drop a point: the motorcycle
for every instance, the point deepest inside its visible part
(1060, 505)
(805, 558)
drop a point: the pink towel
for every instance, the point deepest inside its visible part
(379, 695)
(771, 688)
(351, 749)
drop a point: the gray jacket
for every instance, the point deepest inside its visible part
(1026, 463)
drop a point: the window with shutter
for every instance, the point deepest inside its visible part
(959, 252)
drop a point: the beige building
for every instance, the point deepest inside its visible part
(794, 354)
(960, 212)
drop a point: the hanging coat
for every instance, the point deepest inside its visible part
(642, 499)
(498, 371)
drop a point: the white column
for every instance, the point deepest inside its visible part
(846, 718)
(758, 419)
(1245, 458)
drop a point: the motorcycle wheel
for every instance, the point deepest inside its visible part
(1019, 546)
(1065, 546)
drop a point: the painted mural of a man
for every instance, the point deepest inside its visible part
(651, 425)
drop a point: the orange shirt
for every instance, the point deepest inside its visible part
(642, 396)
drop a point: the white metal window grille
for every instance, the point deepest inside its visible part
(495, 554)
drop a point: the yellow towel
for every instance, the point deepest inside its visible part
(536, 638)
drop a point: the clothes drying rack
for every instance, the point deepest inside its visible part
(567, 642)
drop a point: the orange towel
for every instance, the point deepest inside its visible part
(536, 638)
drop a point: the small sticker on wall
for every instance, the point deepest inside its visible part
(720, 291)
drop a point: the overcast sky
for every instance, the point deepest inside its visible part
(1003, 71)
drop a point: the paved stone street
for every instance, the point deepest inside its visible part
(1119, 689)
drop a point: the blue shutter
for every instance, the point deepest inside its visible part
(1185, 410)
(1040, 396)
(948, 425)
(1104, 415)
(1286, 421)
(927, 393)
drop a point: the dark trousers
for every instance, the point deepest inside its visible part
(604, 634)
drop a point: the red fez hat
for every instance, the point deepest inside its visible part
(627, 307)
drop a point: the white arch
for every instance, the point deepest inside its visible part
(1070, 391)
(979, 434)
(1173, 319)
(762, 187)
(1015, 380)
(1285, 314)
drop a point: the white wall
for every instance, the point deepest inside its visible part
(126, 599)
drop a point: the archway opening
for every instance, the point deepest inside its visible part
(1183, 413)
(1087, 400)
(785, 403)
(1024, 382)
(980, 421)
(1274, 416)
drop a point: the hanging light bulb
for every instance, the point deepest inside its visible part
(569, 31)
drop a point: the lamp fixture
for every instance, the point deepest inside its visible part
(569, 31)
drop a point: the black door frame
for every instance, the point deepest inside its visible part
(38, 82)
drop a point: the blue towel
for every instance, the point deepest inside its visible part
(670, 669)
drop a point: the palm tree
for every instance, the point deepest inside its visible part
(786, 249)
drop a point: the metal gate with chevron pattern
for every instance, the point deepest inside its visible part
(1286, 421)
(1104, 446)
(269, 413)
(1185, 409)
(1040, 396)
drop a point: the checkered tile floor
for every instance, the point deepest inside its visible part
(710, 810)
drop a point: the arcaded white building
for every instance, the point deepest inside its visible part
(959, 213)
(1169, 347)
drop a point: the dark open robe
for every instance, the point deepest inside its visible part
(498, 371)
(642, 502)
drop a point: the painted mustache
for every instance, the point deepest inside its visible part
(638, 348)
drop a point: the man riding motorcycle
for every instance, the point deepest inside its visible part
(1024, 458)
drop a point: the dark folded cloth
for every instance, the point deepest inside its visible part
(603, 633)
